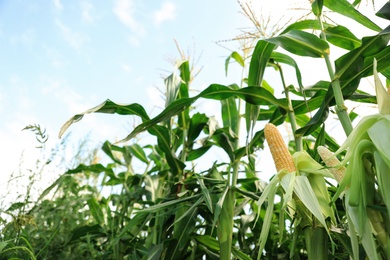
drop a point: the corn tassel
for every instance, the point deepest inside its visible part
(282, 157)
(332, 162)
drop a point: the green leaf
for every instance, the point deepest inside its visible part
(96, 210)
(305, 193)
(197, 153)
(384, 12)
(229, 114)
(383, 97)
(208, 242)
(3, 244)
(155, 252)
(164, 143)
(161, 206)
(107, 149)
(96, 168)
(283, 58)
(253, 95)
(225, 224)
(206, 193)
(316, 7)
(301, 43)
(184, 226)
(197, 123)
(259, 61)
(91, 230)
(108, 107)
(240, 255)
(344, 8)
(305, 25)
(138, 152)
(348, 84)
(16, 205)
(342, 37)
(237, 57)
(172, 84)
(352, 63)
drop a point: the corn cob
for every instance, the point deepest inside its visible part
(332, 162)
(282, 157)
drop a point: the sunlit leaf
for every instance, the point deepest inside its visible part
(343, 7)
(301, 43)
(342, 37)
(237, 57)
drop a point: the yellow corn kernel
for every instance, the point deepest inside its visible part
(332, 162)
(282, 157)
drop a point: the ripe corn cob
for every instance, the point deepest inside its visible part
(282, 157)
(332, 162)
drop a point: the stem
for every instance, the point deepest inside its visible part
(290, 112)
(341, 109)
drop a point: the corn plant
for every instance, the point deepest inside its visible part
(175, 221)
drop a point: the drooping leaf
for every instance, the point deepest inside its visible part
(237, 57)
(305, 25)
(138, 152)
(352, 63)
(384, 12)
(301, 43)
(259, 61)
(284, 58)
(344, 8)
(164, 143)
(108, 107)
(348, 86)
(342, 37)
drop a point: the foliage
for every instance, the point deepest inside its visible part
(172, 199)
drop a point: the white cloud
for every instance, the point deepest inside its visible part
(124, 10)
(166, 13)
(58, 5)
(75, 40)
(86, 8)
(126, 67)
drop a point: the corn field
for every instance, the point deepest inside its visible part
(325, 200)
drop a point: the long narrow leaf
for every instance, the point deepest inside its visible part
(343, 7)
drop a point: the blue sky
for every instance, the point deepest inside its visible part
(59, 58)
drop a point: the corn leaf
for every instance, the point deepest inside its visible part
(237, 57)
(342, 37)
(259, 61)
(107, 107)
(159, 207)
(383, 169)
(155, 252)
(206, 194)
(384, 12)
(301, 43)
(225, 224)
(284, 58)
(229, 112)
(344, 8)
(383, 98)
(305, 193)
(267, 221)
(96, 210)
(138, 152)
